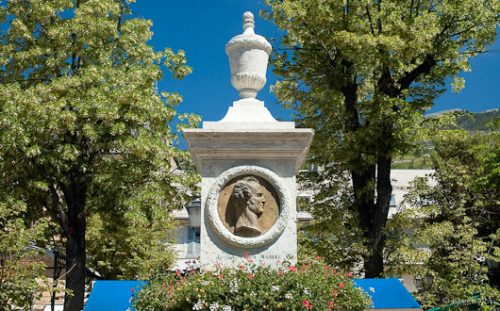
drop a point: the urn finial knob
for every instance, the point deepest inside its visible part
(248, 57)
(248, 23)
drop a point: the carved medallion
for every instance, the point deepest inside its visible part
(248, 206)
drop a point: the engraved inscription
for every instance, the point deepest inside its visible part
(256, 257)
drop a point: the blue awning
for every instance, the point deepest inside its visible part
(388, 294)
(116, 295)
(112, 295)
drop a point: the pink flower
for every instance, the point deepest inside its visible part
(246, 254)
(334, 293)
(348, 274)
(330, 305)
(318, 257)
(341, 285)
(249, 260)
(292, 268)
(243, 267)
(250, 276)
(307, 304)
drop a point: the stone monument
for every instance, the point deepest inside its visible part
(248, 162)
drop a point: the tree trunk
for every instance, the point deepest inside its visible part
(372, 206)
(374, 263)
(75, 246)
(373, 211)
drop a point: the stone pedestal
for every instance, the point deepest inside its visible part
(248, 163)
(222, 155)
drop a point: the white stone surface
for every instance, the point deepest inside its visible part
(216, 251)
(282, 151)
(215, 151)
(248, 58)
(248, 113)
(246, 144)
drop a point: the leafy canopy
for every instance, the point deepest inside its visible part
(457, 217)
(18, 265)
(361, 73)
(78, 106)
(393, 55)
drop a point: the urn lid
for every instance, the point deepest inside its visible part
(248, 38)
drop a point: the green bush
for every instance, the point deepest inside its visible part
(311, 286)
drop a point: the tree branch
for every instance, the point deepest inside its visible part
(57, 210)
(424, 68)
(370, 19)
(24, 80)
(379, 22)
(120, 16)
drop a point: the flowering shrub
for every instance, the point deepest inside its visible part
(310, 286)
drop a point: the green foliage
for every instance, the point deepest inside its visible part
(132, 246)
(457, 219)
(312, 286)
(18, 264)
(481, 121)
(84, 134)
(469, 121)
(361, 73)
(334, 233)
(329, 44)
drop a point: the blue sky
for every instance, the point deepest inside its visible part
(202, 28)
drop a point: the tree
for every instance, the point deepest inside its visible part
(458, 219)
(18, 270)
(361, 73)
(83, 130)
(135, 244)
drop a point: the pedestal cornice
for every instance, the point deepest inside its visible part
(207, 144)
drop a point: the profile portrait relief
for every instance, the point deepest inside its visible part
(248, 206)
(248, 203)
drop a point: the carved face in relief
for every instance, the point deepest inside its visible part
(244, 206)
(248, 203)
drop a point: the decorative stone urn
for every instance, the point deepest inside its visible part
(248, 57)
(248, 162)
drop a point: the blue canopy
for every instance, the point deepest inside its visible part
(388, 294)
(116, 295)
(112, 295)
